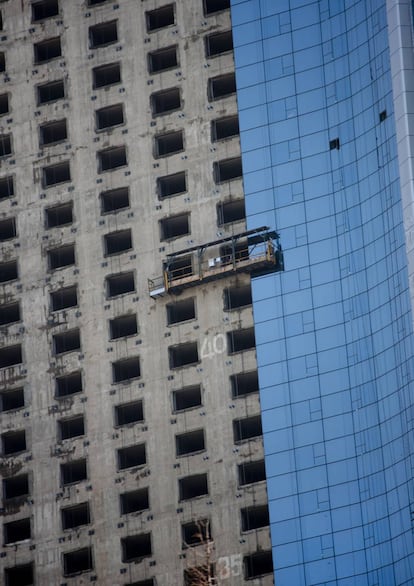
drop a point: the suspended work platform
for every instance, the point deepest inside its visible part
(257, 252)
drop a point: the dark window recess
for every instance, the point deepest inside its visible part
(175, 226)
(106, 75)
(187, 398)
(64, 298)
(334, 144)
(126, 369)
(240, 251)
(2, 62)
(11, 399)
(50, 92)
(16, 486)
(166, 101)
(169, 143)
(131, 456)
(1, 21)
(6, 187)
(95, 2)
(102, 34)
(134, 501)
(10, 356)
(183, 354)
(218, 43)
(236, 297)
(73, 427)
(9, 313)
(383, 115)
(228, 170)
(195, 533)
(149, 582)
(180, 311)
(22, 575)
(122, 326)
(224, 128)
(244, 383)
(118, 242)
(13, 442)
(7, 229)
(47, 50)
(44, 9)
(254, 517)
(120, 284)
(199, 575)
(109, 116)
(69, 384)
(212, 6)
(181, 267)
(112, 158)
(162, 59)
(56, 174)
(189, 442)
(4, 104)
(74, 471)
(247, 428)
(160, 17)
(114, 199)
(171, 185)
(135, 547)
(257, 564)
(240, 340)
(67, 341)
(60, 215)
(230, 211)
(191, 487)
(251, 472)
(53, 132)
(75, 516)
(5, 145)
(221, 86)
(17, 531)
(75, 562)
(8, 271)
(63, 256)
(126, 413)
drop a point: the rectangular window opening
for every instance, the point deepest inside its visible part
(230, 211)
(64, 256)
(126, 369)
(10, 356)
(247, 428)
(109, 116)
(162, 59)
(175, 226)
(67, 341)
(5, 145)
(118, 242)
(44, 9)
(258, 564)
(251, 472)
(11, 399)
(254, 517)
(212, 6)
(2, 62)
(71, 427)
(228, 170)
(244, 383)
(50, 92)
(8, 271)
(114, 199)
(136, 547)
(9, 313)
(75, 562)
(6, 187)
(241, 340)
(120, 284)
(192, 487)
(165, 101)
(60, 215)
(4, 104)
(16, 486)
(54, 174)
(190, 442)
(103, 34)
(7, 229)
(68, 384)
(75, 516)
(74, 471)
(180, 311)
(13, 442)
(22, 575)
(171, 185)
(196, 533)
(131, 456)
(187, 398)
(53, 132)
(223, 128)
(122, 326)
(180, 267)
(218, 43)
(169, 143)
(112, 158)
(134, 501)
(160, 17)
(221, 86)
(47, 50)
(64, 298)
(183, 355)
(127, 413)
(17, 531)
(106, 75)
(237, 297)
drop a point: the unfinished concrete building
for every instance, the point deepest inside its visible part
(130, 417)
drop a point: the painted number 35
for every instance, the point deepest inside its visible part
(229, 565)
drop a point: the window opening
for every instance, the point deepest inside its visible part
(136, 547)
(196, 533)
(112, 158)
(251, 472)
(183, 355)
(6, 187)
(8, 271)
(169, 143)
(126, 369)
(109, 116)
(5, 145)
(175, 226)
(230, 211)
(7, 229)
(334, 144)
(257, 564)
(4, 104)
(10, 356)
(69, 384)
(227, 170)
(19, 575)
(160, 17)
(105, 75)
(55, 174)
(254, 517)
(244, 383)
(219, 43)
(180, 267)
(72, 427)
(127, 413)
(247, 428)
(193, 486)
(59, 215)
(74, 471)
(13, 442)
(16, 486)
(11, 399)
(47, 50)
(212, 6)
(17, 531)
(63, 256)
(165, 101)
(180, 311)
(162, 59)
(53, 132)
(2, 62)
(237, 297)
(75, 562)
(9, 313)
(117, 242)
(103, 34)
(190, 442)
(114, 199)
(171, 185)
(223, 128)
(122, 326)
(64, 298)
(44, 9)
(241, 340)
(50, 92)
(120, 284)
(67, 341)
(221, 86)
(187, 398)
(131, 456)
(75, 516)
(134, 501)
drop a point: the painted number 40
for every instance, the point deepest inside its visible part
(212, 346)
(229, 565)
